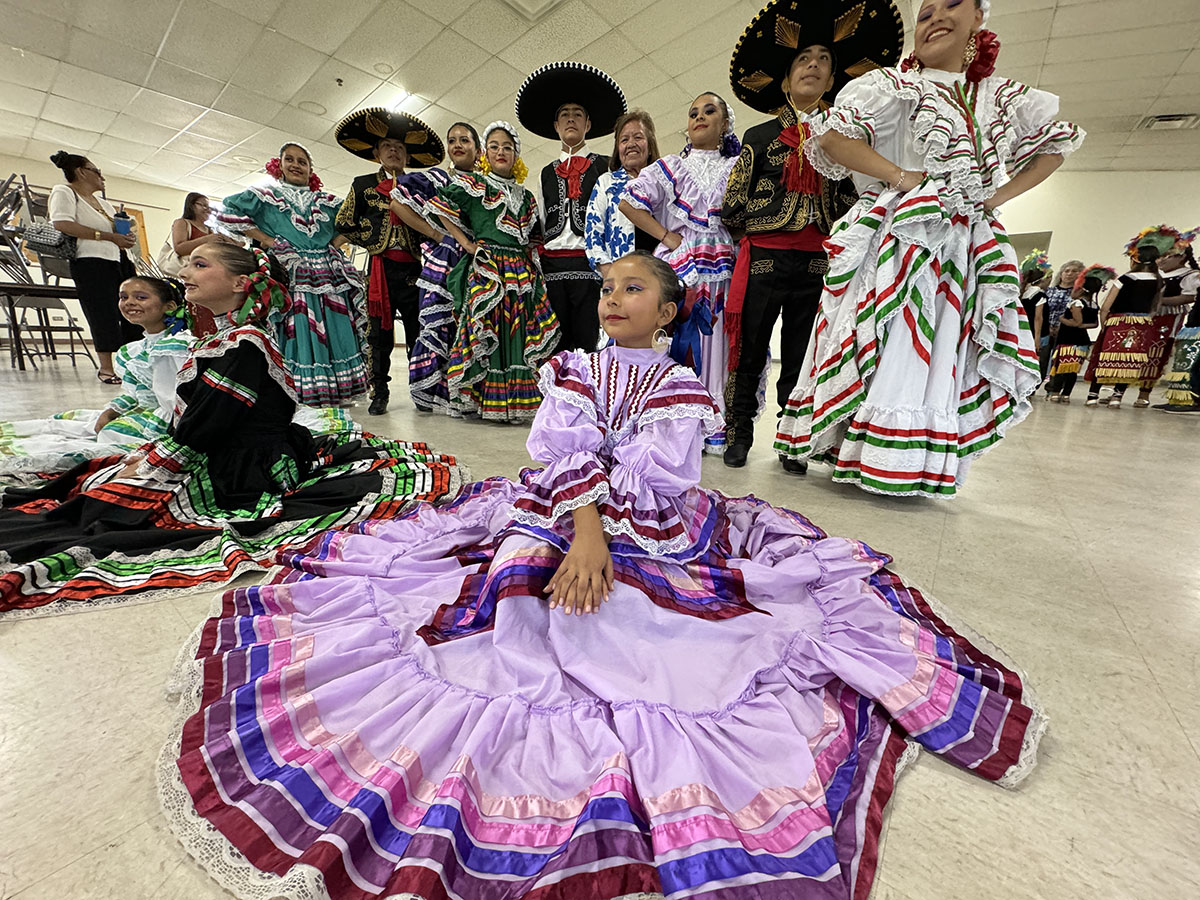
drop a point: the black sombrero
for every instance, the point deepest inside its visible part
(360, 131)
(863, 35)
(558, 83)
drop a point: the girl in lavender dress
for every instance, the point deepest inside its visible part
(677, 199)
(403, 712)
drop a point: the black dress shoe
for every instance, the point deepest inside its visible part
(378, 406)
(735, 455)
(793, 466)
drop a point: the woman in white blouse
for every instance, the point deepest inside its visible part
(99, 265)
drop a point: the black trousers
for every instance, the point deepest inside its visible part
(786, 282)
(402, 293)
(97, 281)
(574, 293)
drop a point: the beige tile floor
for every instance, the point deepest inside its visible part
(1075, 547)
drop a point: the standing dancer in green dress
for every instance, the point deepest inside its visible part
(293, 219)
(506, 328)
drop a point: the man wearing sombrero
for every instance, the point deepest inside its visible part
(792, 57)
(570, 102)
(393, 140)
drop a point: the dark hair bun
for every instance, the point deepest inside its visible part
(61, 158)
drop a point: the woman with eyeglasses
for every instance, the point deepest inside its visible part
(78, 209)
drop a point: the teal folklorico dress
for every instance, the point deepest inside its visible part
(320, 335)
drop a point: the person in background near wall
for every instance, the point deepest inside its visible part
(1035, 278)
(1073, 340)
(607, 233)
(319, 333)
(782, 206)
(188, 232)
(568, 102)
(394, 141)
(1181, 279)
(100, 263)
(1135, 344)
(1050, 309)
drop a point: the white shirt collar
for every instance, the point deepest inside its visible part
(563, 155)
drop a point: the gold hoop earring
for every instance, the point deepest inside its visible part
(970, 51)
(660, 340)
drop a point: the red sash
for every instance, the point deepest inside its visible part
(379, 304)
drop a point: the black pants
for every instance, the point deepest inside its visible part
(781, 281)
(574, 293)
(1062, 384)
(97, 281)
(402, 293)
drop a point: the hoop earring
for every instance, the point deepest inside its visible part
(660, 340)
(971, 50)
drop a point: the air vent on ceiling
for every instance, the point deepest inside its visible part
(1175, 122)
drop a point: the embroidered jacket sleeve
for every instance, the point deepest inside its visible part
(354, 217)
(225, 390)
(737, 190)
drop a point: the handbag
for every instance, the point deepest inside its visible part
(46, 240)
(168, 261)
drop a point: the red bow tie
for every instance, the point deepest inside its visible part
(799, 176)
(572, 169)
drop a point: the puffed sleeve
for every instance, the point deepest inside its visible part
(566, 437)
(1031, 115)
(416, 189)
(241, 212)
(651, 190)
(166, 359)
(870, 108)
(737, 190)
(448, 202)
(227, 388)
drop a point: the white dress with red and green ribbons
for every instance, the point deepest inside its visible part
(922, 356)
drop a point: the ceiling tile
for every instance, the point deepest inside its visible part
(76, 114)
(1183, 84)
(128, 128)
(300, 125)
(160, 109)
(134, 23)
(237, 101)
(30, 31)
(123, 151)
(337, 98)
(92, 87)
(168, 78)
(446, 11)
(1173, 104)
(474, 96)
(1116, 45)
(1030, 53)
(386, 95)
(196, 145)
(240, 39)
(612, 52)
(76, 140)
(391, 37)
(1101, 124)
(230, 129)
(1189, 138)
(1147, 65)
(99, 55)
(16, 125)
(218, 171)
(277, 67)
(426, 73)
(1191, 65)
(1014, 26)
(559, 35)
(58, 10)
(310, 22)
(1124, 89)
(259, 11)
(617, 11)
(1133, 106)
(174, 164)
(642, 76)
(1118, 15)
(504, 25)
(22, 100)
(26, 68)
(265, 144)
(11, 145)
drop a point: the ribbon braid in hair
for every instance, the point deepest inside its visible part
(264, 295)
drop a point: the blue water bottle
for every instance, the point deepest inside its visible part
(122, 223)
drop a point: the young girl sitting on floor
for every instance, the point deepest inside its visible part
(147, 368)
(402, 711)
(233, 481)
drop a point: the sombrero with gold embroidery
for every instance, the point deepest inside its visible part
(863, 35)
(360, 131)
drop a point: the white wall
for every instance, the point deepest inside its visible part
(1093, 214)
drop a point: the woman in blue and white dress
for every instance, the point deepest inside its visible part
(607, 233)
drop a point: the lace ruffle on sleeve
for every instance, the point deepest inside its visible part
(1031, 116)
(869, 108)
(240, 211)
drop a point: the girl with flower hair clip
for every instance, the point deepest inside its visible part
(921, 358)
(320, 335)
(234, 481)
(677, 199)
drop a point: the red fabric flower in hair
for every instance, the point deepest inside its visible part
(314, 183)
(987, 48)
(274, 168)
